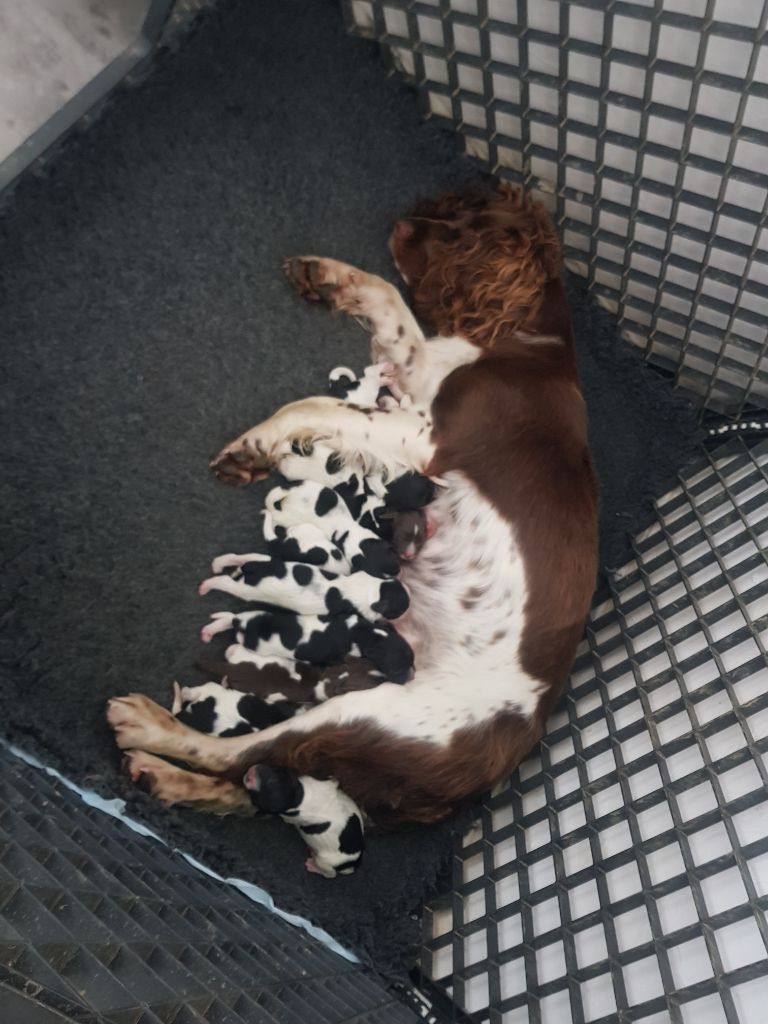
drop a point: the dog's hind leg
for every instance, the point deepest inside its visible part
(171, 785)
(141, 724)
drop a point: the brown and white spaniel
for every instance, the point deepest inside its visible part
(500, 593)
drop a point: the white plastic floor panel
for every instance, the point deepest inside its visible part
(623, 873)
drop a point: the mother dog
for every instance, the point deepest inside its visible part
(500, 594)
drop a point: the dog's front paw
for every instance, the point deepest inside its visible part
(323, 280)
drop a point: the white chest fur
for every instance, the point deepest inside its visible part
(468, 598)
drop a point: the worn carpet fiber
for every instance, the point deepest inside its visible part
(145, 322)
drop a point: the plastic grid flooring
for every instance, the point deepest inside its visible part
(623, 873)
(103, 925)
(644, 127)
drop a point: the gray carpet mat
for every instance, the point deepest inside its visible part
(144, 321)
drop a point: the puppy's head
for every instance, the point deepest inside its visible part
(409, 533)
(376, 558)
(390, 653)
(273, 790)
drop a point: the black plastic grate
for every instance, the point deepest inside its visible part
(644, 127)
(103, 925)
(623, 873)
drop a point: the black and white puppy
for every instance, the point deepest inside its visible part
(344, 383)
(306, 589)
(330, 823)
(323, 466)
(305, 542)
(369, 497)
(310, 502)
(220, 711)
(279, 635)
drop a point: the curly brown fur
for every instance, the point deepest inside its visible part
(478, 266)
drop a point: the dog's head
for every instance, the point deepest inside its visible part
(477, 264)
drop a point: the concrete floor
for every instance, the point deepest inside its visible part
(49, 49)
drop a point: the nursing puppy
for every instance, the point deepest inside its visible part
(368, 496)
(307, 590)
(217, 710)
(311, 502)
(325, 640)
